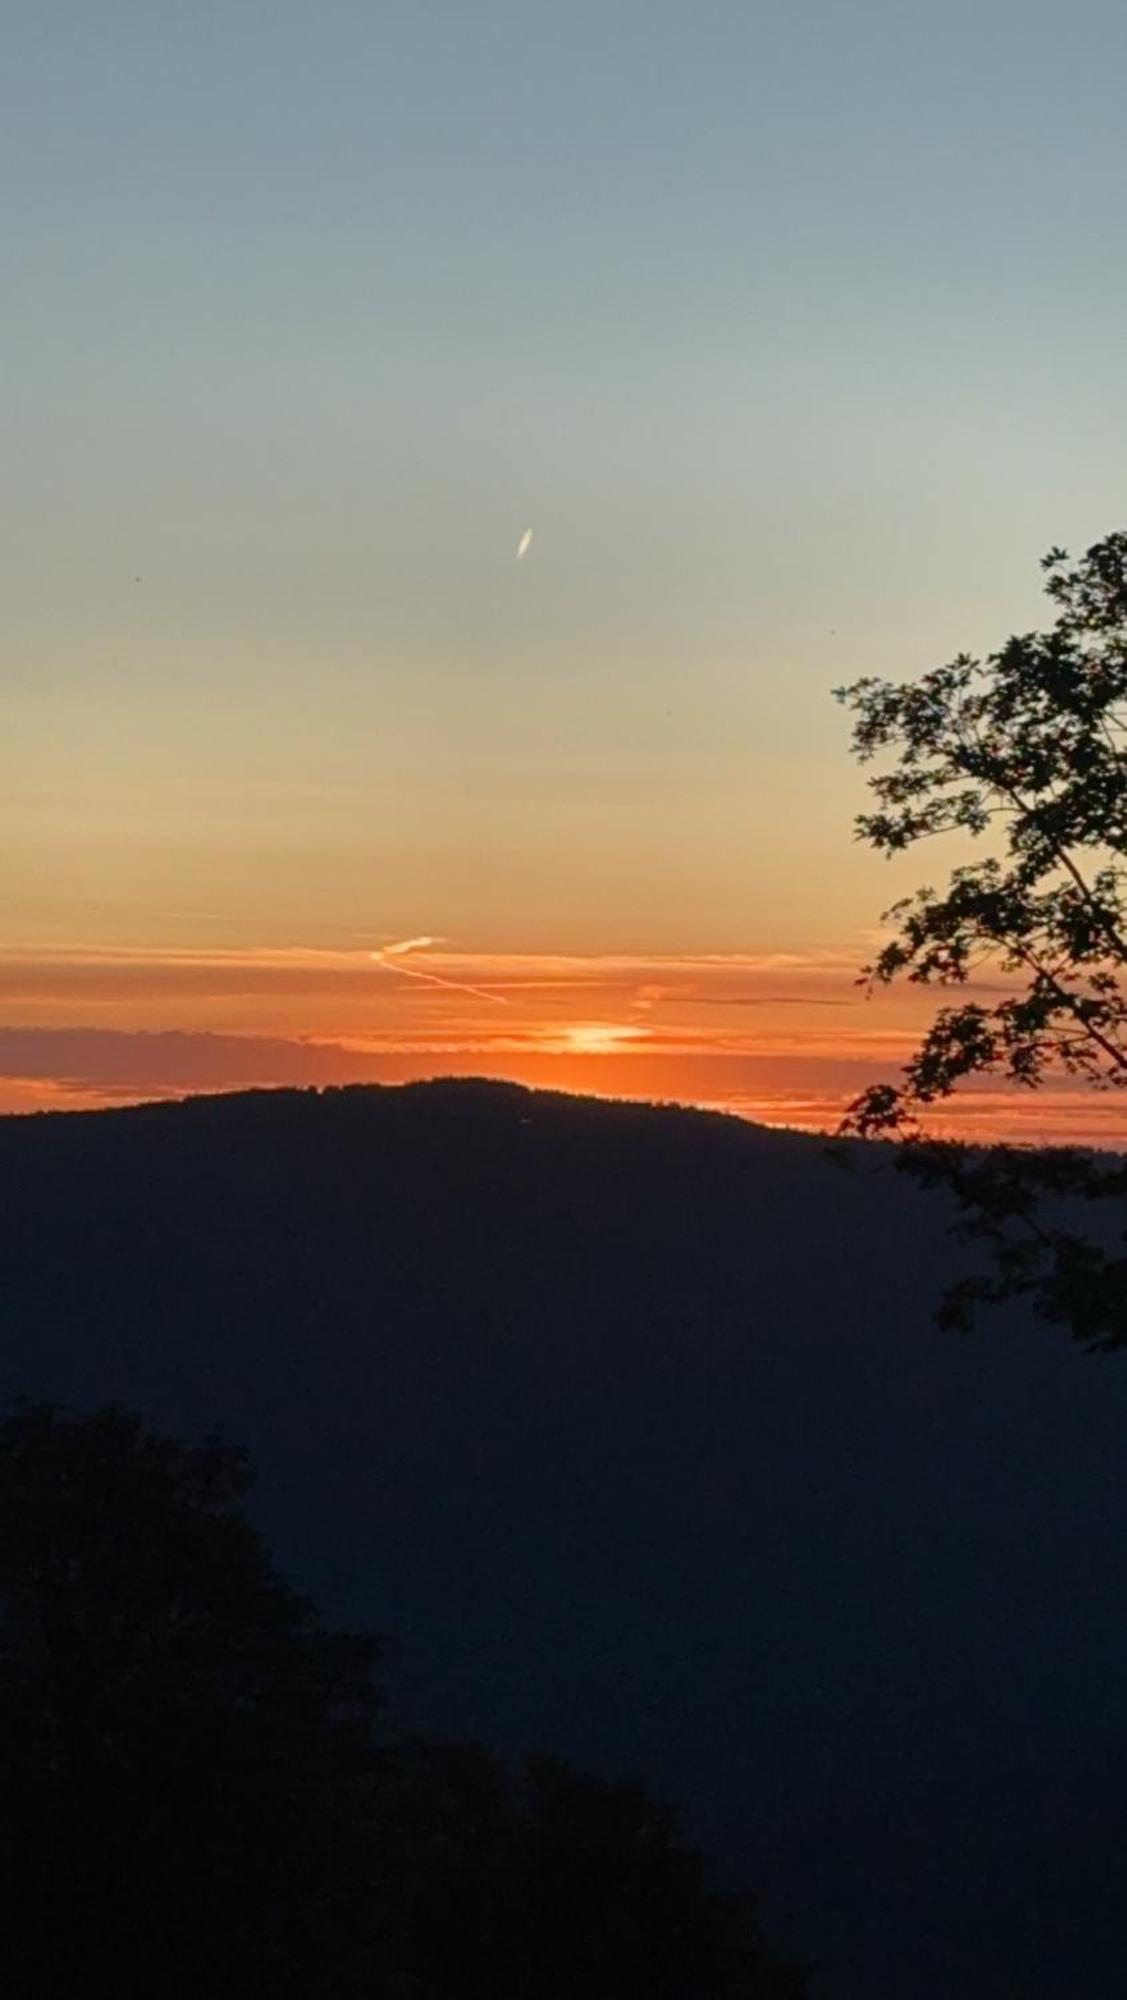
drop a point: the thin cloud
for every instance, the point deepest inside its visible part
(82, 1068)
(391, 957)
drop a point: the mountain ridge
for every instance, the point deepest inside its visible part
(630, 1424)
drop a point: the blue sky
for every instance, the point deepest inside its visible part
(795, 331)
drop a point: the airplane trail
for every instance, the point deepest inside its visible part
(392, 955)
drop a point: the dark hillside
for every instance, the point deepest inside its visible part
(630, 1424)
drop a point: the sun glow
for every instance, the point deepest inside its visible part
(594, 1038)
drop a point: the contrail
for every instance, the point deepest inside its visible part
(524, 544)
(391, 955)
(401, 949)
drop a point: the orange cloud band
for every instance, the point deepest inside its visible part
(786, 1038)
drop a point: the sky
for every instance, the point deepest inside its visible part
(795, 334)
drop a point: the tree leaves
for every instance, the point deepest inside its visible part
(196, 1798)
(1030, 748)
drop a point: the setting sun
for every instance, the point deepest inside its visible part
(594, 1038)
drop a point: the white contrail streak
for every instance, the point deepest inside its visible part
(524, 544)
(391, 956)
(405, 945)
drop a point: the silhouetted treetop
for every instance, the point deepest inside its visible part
(132, 1549)
(188, 1756)
(1028, 749)
(196, 1800)
(556, 1883)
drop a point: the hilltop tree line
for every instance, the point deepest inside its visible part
(200, 1795)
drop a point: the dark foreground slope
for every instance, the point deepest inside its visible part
(631, 1426)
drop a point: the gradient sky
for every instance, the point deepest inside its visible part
(796, 332)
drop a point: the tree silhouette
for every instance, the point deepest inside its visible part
(1029, 748)
(197, 1798)
(559, 1884)
(188, 1756)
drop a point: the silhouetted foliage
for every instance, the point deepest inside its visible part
(188, 1756)
(565, 1886)
(196, 1800)
(1029, 747)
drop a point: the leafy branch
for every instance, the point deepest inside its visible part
(1027, 747)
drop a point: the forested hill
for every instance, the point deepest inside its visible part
(631, 1427)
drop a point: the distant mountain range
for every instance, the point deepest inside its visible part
(630, 1425)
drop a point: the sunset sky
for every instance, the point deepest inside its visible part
(795, 332)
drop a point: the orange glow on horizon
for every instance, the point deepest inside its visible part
(782, 1038)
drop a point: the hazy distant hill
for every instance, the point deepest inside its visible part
(631, 1426)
